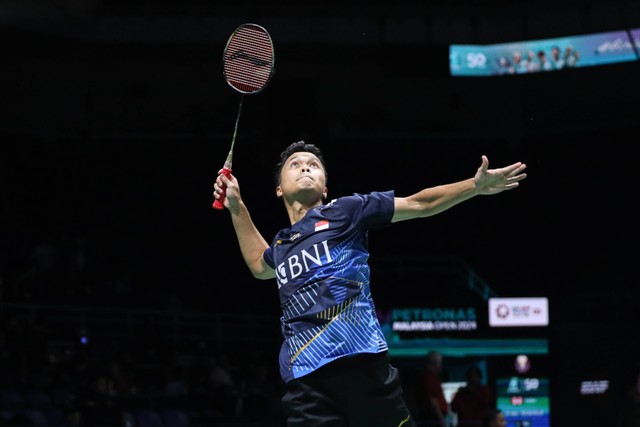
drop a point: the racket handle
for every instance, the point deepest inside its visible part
(219, 203)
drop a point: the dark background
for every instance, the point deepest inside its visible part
(115, 119)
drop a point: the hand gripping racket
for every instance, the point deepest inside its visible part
(248, 61)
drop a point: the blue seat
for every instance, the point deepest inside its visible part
(148, 418)
(30, 417)
(12, 400)
(63, 397)
(38, 399)
(175, 418)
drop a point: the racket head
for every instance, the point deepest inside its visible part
(248, 59)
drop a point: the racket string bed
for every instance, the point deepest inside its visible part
(248, 61)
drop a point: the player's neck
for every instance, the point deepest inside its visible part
(297, 210)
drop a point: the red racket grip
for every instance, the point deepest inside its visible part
(219, 203)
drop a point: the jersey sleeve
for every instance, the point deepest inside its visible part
(372, 210)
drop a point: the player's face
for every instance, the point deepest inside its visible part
(302, 175)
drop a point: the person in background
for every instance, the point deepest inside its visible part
(494, 418)
(629, 413)
(435, 407)
(472, 401)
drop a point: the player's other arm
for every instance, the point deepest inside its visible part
(433, 200)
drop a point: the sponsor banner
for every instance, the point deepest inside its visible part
(434, 319)
(518, 312)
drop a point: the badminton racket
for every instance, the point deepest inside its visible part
(248, 61)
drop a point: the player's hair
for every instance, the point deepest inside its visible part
(296, 147)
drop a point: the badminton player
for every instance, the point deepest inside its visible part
(334, 357)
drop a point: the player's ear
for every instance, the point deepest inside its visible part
(325, 192)
(278, 192)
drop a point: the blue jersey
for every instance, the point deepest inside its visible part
(322, 271)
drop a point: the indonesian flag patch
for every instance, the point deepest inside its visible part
(322, 225)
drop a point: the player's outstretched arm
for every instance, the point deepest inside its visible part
(434, 200)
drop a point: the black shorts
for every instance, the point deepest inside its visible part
(354, 391)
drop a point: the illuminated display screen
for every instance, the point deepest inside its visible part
(524, 401)
(525, 57)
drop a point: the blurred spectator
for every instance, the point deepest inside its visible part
(531, 63)
(543, 60)
(519, 65)
(505, 66)
(122, 377)
(255, 391)
(629, 413)
(222, 385)
(494, 418)
(434, 407)
(99, 407)
(570, 57)
(42, 274)
(2, 291)
(175, 380)
(472, 401)
(556, 58)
